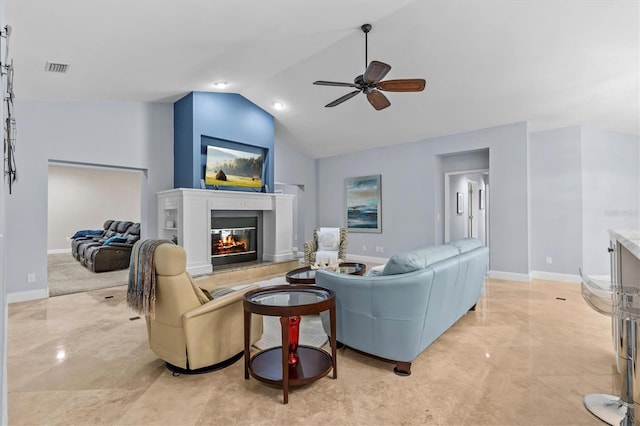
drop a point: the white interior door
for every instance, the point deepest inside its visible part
(474, 212)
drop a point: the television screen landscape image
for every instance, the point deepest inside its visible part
(230, 167)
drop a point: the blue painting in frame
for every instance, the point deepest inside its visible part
(363, 204)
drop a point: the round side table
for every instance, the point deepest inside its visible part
(289, 364)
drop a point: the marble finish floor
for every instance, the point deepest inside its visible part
(526, 356)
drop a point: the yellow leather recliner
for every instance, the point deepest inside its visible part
(189, 332)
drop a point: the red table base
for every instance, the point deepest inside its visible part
(294, 334)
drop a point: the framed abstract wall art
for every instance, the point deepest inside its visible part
(363, 204)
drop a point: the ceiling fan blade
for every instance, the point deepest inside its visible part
(378, 100)
(402, 85)
(342, 99)
(333, 83)
(375, 72)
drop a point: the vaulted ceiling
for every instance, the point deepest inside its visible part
(491, 62)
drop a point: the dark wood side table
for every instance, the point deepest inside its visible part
(273, 365)
(306, 275)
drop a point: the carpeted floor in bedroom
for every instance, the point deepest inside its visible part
(65, 275)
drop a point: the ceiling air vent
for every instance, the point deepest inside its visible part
(55, 67)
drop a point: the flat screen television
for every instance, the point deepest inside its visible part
(230, 167)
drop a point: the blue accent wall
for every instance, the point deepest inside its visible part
(184, 159)
(226, 116)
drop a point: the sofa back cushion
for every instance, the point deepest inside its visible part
(414, 260)
(112, 229)
(466, 244)
(123, 226)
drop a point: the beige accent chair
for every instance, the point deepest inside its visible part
(327, 244)
(191, 333)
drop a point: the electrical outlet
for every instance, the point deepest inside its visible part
(381, 249)
(31, 277)
(377, 249)
(364, 248)
(549, 260)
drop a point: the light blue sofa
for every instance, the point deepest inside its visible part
(396, 313)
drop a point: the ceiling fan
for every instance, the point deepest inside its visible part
(370, 82)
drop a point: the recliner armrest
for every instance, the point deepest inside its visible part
(219, 302)
(215, 330)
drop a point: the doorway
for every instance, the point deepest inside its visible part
(466, 205)
(84, 196)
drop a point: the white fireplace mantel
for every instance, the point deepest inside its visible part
(186, 214)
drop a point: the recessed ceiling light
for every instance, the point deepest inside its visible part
(220, 84)
(278, 105)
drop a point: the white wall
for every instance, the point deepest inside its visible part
(123, 134)
(295, 167)
(556, 200)
(413, 193)
(84, 197)
(610, 192)
(458, 223)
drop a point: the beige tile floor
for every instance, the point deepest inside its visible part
(523, 357)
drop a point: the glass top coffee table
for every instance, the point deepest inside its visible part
(306, 275)
(290, 364)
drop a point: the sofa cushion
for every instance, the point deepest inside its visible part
(123, 226)
(410, 261)
(374, 271)
(466, 244)
(326, 256)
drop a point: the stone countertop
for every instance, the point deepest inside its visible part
(629, 238)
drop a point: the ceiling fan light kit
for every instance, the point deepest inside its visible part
(370, 82)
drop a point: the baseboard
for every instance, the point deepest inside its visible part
(367, 259)
(199, 269)
(554, 276)
(56, 251)
(24, 296)
(510, 276)
(277, 258)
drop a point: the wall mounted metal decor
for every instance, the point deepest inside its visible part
(6, 72)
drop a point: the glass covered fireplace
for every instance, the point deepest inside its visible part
(233, 240)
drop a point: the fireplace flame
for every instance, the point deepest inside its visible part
(228, 244)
